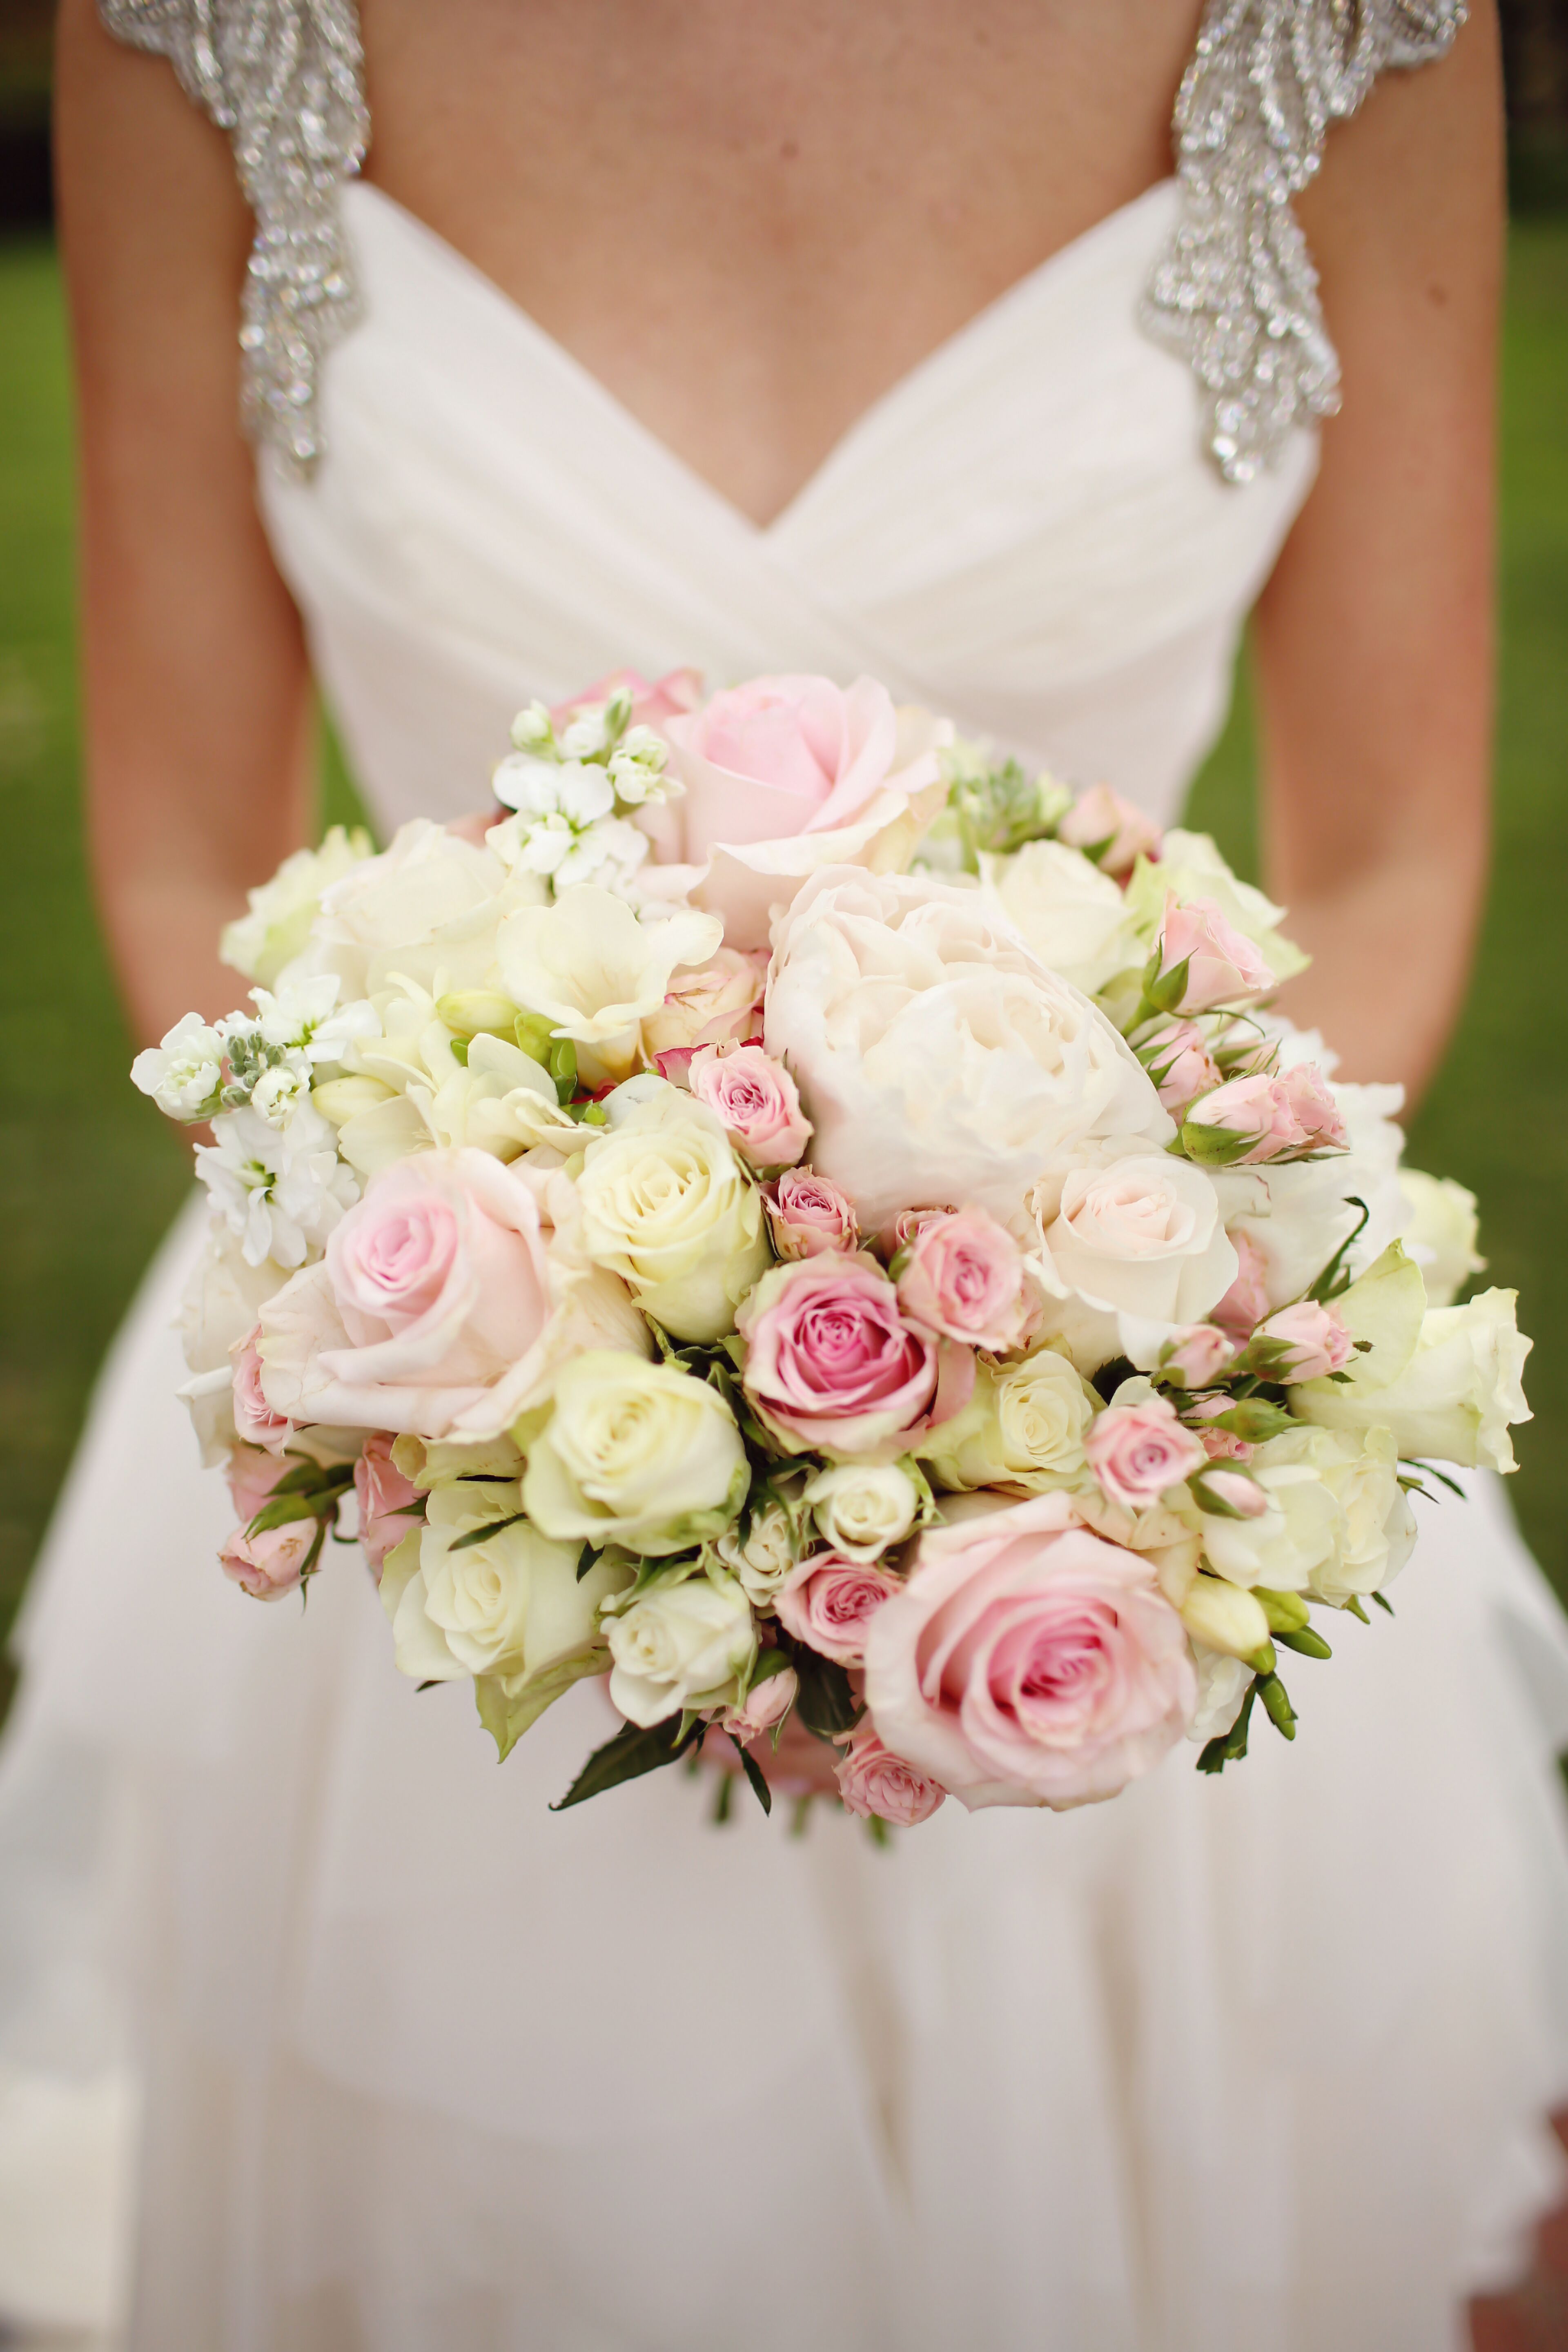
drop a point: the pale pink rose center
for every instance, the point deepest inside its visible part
(398, 1264)
(839, 1347)
(770, 738)
(1130, 1221)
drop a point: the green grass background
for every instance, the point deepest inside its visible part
(90, 1174)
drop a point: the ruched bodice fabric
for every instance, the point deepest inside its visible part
(1027, 532)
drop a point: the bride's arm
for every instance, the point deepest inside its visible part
(197, 686)
(1375, 636)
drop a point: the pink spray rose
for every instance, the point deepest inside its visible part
(755, 1098)
(1136, 1451)
(1244, 1496)
(253, 1419)
(252, 1476)
(1101, 819)
(1245, 1303)
(677, 691)
(767, 1703)
(1027, 1661)
(1177, 1058)
(268, 1565)
(828, 1602)
(1315, 1337)
(709, 1005)
(1243, 1121)
(964, 1277)
(807, 1215)
(881, 1787)
(1196, 1354)
(384, 1497)
(1313, 1106)
(1223, 967)
(831, 1364)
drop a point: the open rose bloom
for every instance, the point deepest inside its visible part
(818, 1281)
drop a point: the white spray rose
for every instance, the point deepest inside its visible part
(634, 1454)
(590, 967)
(1299, 1535)
(185, 1074)
(762, 1555)
(1072, 916)
(665, 1203)
(1024, 1426)
(937, 1058)
(278, 926)
(1455, 1399)
(681, 1645)
(1377, 1525)
(1441, 1233)
(863, 1507)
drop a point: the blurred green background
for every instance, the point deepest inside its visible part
(90, 1174)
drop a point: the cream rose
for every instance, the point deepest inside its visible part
(760, 1551)
(1072, 916)
(1141, 1238)
(1024, 1427)
(680, 1646)
(588, 965)
(1441, 1233)
(938, 1059)
(1456, 1398)
(862, 1508)
(665, 1204)
(634, 1454)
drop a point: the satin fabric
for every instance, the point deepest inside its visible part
(1258, 2062)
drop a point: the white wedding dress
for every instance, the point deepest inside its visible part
(1255, 2064)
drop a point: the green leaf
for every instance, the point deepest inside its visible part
(281, 1512)
(1334, 1278)
(754, 1774)
(1229, 1747)
(506, 1719)
(632, 1752)
(826, 1701)
(487, 1529)
(1430, 1470)
(1253, 1419)
(585, 1559)
(1352, 1608)
(1383, 1602)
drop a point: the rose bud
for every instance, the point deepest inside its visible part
(1195, 1354)
(879, 1786)
(767, 1703)
(1108, 830)
(1177, 1058)
(807, 1215)
(755, 1097)
(1136, 1451)
(1203, 961)
(1303, 1342)
(963, 1277)
(268, 1565)
(1313, 1104)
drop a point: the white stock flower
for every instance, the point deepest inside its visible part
(764, 1555)
(588, 966)
(862, 1508)
(304, 1017)
(1190, 866)
(1455, 1399)
(278, 1094)
(1072, 916)
(278, 926)
(1441, 1233)
(665, 1203)
(681, 1645)
(634, 1454)
(185, 1074)
(939, 1061)
(280, 1191)
(1024, 1427)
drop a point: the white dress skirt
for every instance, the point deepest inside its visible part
(1253, 2064)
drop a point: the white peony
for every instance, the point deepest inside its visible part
(1441, 1233)
(280, 1191)
(278, 926)
(1023, 1427)
(1072, 916)
(862, 1508)
(592, 970)
(634, 1454)
(430, 899)
(938, 1059)
(687, 1644)
(1455, 1399)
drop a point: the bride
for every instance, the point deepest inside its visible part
(796, 338)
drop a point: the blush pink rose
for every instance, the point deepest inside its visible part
(1196, 1354)
(1177, 1058)
(1313, 1106)
(1102, 824)
(714, 1001)
(1314, 1336)
(1219, 1444)
(384, 1497)
(251, 1477)
(830, 1361)
(1244, 1496)
(1243, 1121)
(807, 1215)
(268, 1565)
(1136, 1451)
(1223, 967)
(1245, 1303)
(755, 1098)
(767, 1703)
(828, 1602)
(878, 1786)
(1027, 1661)
(964, 1277)
(254, 1420)
(677, 692)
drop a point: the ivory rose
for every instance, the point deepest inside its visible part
(1440, 1232)
(828, 1602)
(1024, 1427)
(806, 1215)
(782, 776)
(761, 1549)
(1027, 1661)
(879, 1786)
(682, 1644)
(1139, 1449)
(1141, 1238)
(438, 1307)
(937, 1058)
(1072, 916)
(963, 1277)
(863, 1508)
(830, 1361)
(754, 1099)
(665, 1205)
(634, 1454)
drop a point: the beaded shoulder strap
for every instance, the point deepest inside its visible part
(285, 79)
(1236, 292)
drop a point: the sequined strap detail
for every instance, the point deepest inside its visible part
(285, 79)
(1236, 291)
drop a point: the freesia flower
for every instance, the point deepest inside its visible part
(593, 971)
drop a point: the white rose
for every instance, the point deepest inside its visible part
(220, 1308)
(1072, 916)
(1142, 1239)
(185, 1074)
(1455, 1399)
(1299, 1535)
(1024, 1426)
(1190, 866)
(429, 886)
(1441, 1233)
(863, 1507)
(1377, 1528)
(938, 1059)
(634, 1454)
(681, 1645)
(665, 1203)
(278, 926)
(590, 967)
(764, 1556)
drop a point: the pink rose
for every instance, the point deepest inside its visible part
(964, 1277)
(1314, 1338)
(1027, 1661)
(1224, 1446)
(830, 1361)
(807, 1215)
(1177, 1058)
(1316, 1112)
(385, 1495)
(828, 1602)
(755, 1098)
(1244, 1496)
(268, 1565)
(783, 775)
(677, 692)
(1245, 1303)
(767, 1703)
(1243, 1121)
(253, 1419)
(1222, 966)
(1102, 824)
(715, 1002)
(1136, 1451)
(881, 1787)
(251, 1477)
(1196, 1354)
(435, 1308)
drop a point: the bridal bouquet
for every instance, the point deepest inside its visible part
(806, 1221)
